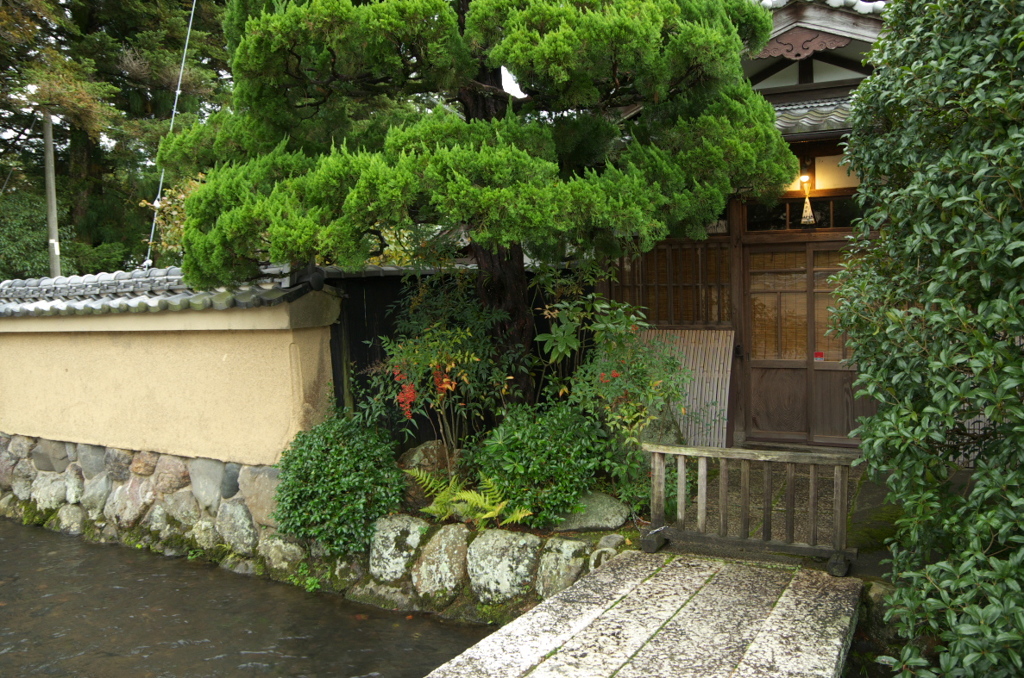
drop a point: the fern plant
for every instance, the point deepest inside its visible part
(479, 506)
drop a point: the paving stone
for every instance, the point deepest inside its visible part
(92, 459)
(561, 564)
(607, 644)
(170, 474)
(258, 485)
(709, 636)
(394, 544)
(21, 479)
(234, 523)
(600, 512)
(74, 481)
(144, 463)
(501, 564)
(207, 476)
(525, 641)
(808, 633)
(49, 455)
(440, 571)
(49, 490)
(117, 463)
(611, 541)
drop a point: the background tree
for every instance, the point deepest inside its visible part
(359, 128)
(107, 72)
(933, 308)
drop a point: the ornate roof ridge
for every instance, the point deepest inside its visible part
(859, 6)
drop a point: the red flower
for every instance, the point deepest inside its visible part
(616, 373)
(604, 379)
(406, 397)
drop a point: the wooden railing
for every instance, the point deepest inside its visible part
(766, 461)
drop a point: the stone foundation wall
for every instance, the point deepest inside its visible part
(222, 512)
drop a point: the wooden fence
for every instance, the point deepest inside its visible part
(766, 461)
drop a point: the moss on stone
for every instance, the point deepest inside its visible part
(32, 514)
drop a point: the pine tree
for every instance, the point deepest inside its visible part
(358, 130)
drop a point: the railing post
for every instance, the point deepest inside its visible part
(702, 494)
(723, 497)
(812, 505)
(657, 490)
(681, 490)
(790, 502)
(766, 527)
(745, 499)
(842, 475)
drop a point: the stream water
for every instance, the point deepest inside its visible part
(70, 608)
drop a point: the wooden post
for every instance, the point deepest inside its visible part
(657, 490)
(702, 494)
(790, 501)
(812, 490)
(766, 528)
(723, 497)
(681, 491)
(745, 499)
(842, 474)
(51, 195)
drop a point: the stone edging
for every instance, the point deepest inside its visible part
(222, 512)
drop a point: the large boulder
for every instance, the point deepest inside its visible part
(561, 564)
(204, 534)
(7, 463)
(501, 564)
(431, 456)
(129, 502)
(49, 490)
(394, 545)
(50, 455)
(440, 572)
(95, 493)
(117, 463)
(69, 519)
(170, 474)
(279, 555)
(234, 523)
(183, 507)
(600, 512)
(20, 446)
(259, 488)
(93, 459)
(144, 463)
(212, 481)
(22, 477)
(74, 480)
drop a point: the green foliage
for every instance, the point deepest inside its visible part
(306, 579)
(932, 307)
(24, 252)
(443, 362)
(336, 480)
(542, 457)
(480, 506)
(563, 174)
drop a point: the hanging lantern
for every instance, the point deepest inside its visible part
(808, 217)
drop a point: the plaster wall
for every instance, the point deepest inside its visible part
(230, 395)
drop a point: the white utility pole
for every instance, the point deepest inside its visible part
(51, 195)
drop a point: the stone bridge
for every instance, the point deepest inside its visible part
(658, 615)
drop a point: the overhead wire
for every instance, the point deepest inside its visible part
(174, 111)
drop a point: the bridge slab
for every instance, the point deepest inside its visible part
(654, 615)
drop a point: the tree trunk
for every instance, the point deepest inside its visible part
(502, 284)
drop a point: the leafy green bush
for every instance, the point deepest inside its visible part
(542, 459)
(932, 307)
(336, 480)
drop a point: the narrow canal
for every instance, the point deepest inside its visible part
(70, 608)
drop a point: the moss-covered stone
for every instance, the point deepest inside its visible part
(32, 514)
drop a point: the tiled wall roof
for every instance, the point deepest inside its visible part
(153, 290)
(813, 116)
(859, 6)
